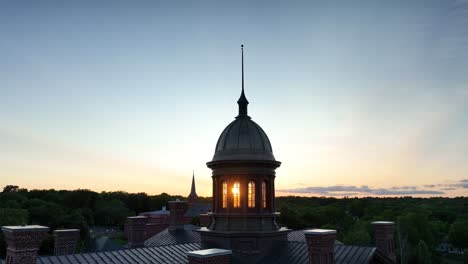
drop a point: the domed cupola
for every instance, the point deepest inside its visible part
(243, 139)
(243, 216)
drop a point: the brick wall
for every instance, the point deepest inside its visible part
(321, 246)
(66, 241)
(176, 218)
(384, 238)
(23, 243)
(136, 231)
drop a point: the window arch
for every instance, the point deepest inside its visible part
(224, 184)
(236, 194)
(251, 194)
(264, 194)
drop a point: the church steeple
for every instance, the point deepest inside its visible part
(242, 102)
(193, 194)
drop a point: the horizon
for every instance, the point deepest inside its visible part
(289, 195)
(356, 100)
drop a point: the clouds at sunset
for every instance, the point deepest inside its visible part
(342, 190)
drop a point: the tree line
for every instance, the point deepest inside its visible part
(79, 209)
(421, 223)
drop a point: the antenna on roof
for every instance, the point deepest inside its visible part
(242, 102)
(242, 50)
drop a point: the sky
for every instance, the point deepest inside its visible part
(366, 98)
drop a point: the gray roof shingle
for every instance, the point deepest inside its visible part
(170, 247)
(166, 237)
(197, 209)
(148, 255)
(296, 254)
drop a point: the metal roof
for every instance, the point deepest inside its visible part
(197, 209)
(105, 244)
(158, 212)
(148, 255)
(166, 237)
(243, 139)
(296, 254)
(172, 247)
(188, 235)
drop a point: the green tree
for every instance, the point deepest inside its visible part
(10, 188)
(76, 220)
(458, 234)
(113, 212)
(358, 234)
(45, 213)
(10, 216)
(423, 255)
(290, 218)
(12, 200)
(356, 207)
(415, 226)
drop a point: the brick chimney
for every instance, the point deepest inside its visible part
(321, 245)
(176, 217)
(136, 231)
(65, 241)
(384, 238)
(210, 256)
(23, 243)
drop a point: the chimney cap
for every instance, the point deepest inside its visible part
(26, 228)
(137, 217)
(319, 231)
(211, 252)
(383, 223)
(66, 230)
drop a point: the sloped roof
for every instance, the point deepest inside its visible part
(188, 235)
(148, 255)
(166, 237)
(157, 212)
(197, 209)
(297, 254)
(172, 247)
(106, 244)
(298, 236)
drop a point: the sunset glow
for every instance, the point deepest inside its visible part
(116, 96)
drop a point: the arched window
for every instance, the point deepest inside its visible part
(264, 195)
(224, 194)
(251, 194)
(236, 194)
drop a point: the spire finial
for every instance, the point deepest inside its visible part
(242, 51)
(242, 102)
(193, 193)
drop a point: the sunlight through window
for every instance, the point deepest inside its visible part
(251, 194)
(236, 194)
(224, 194)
